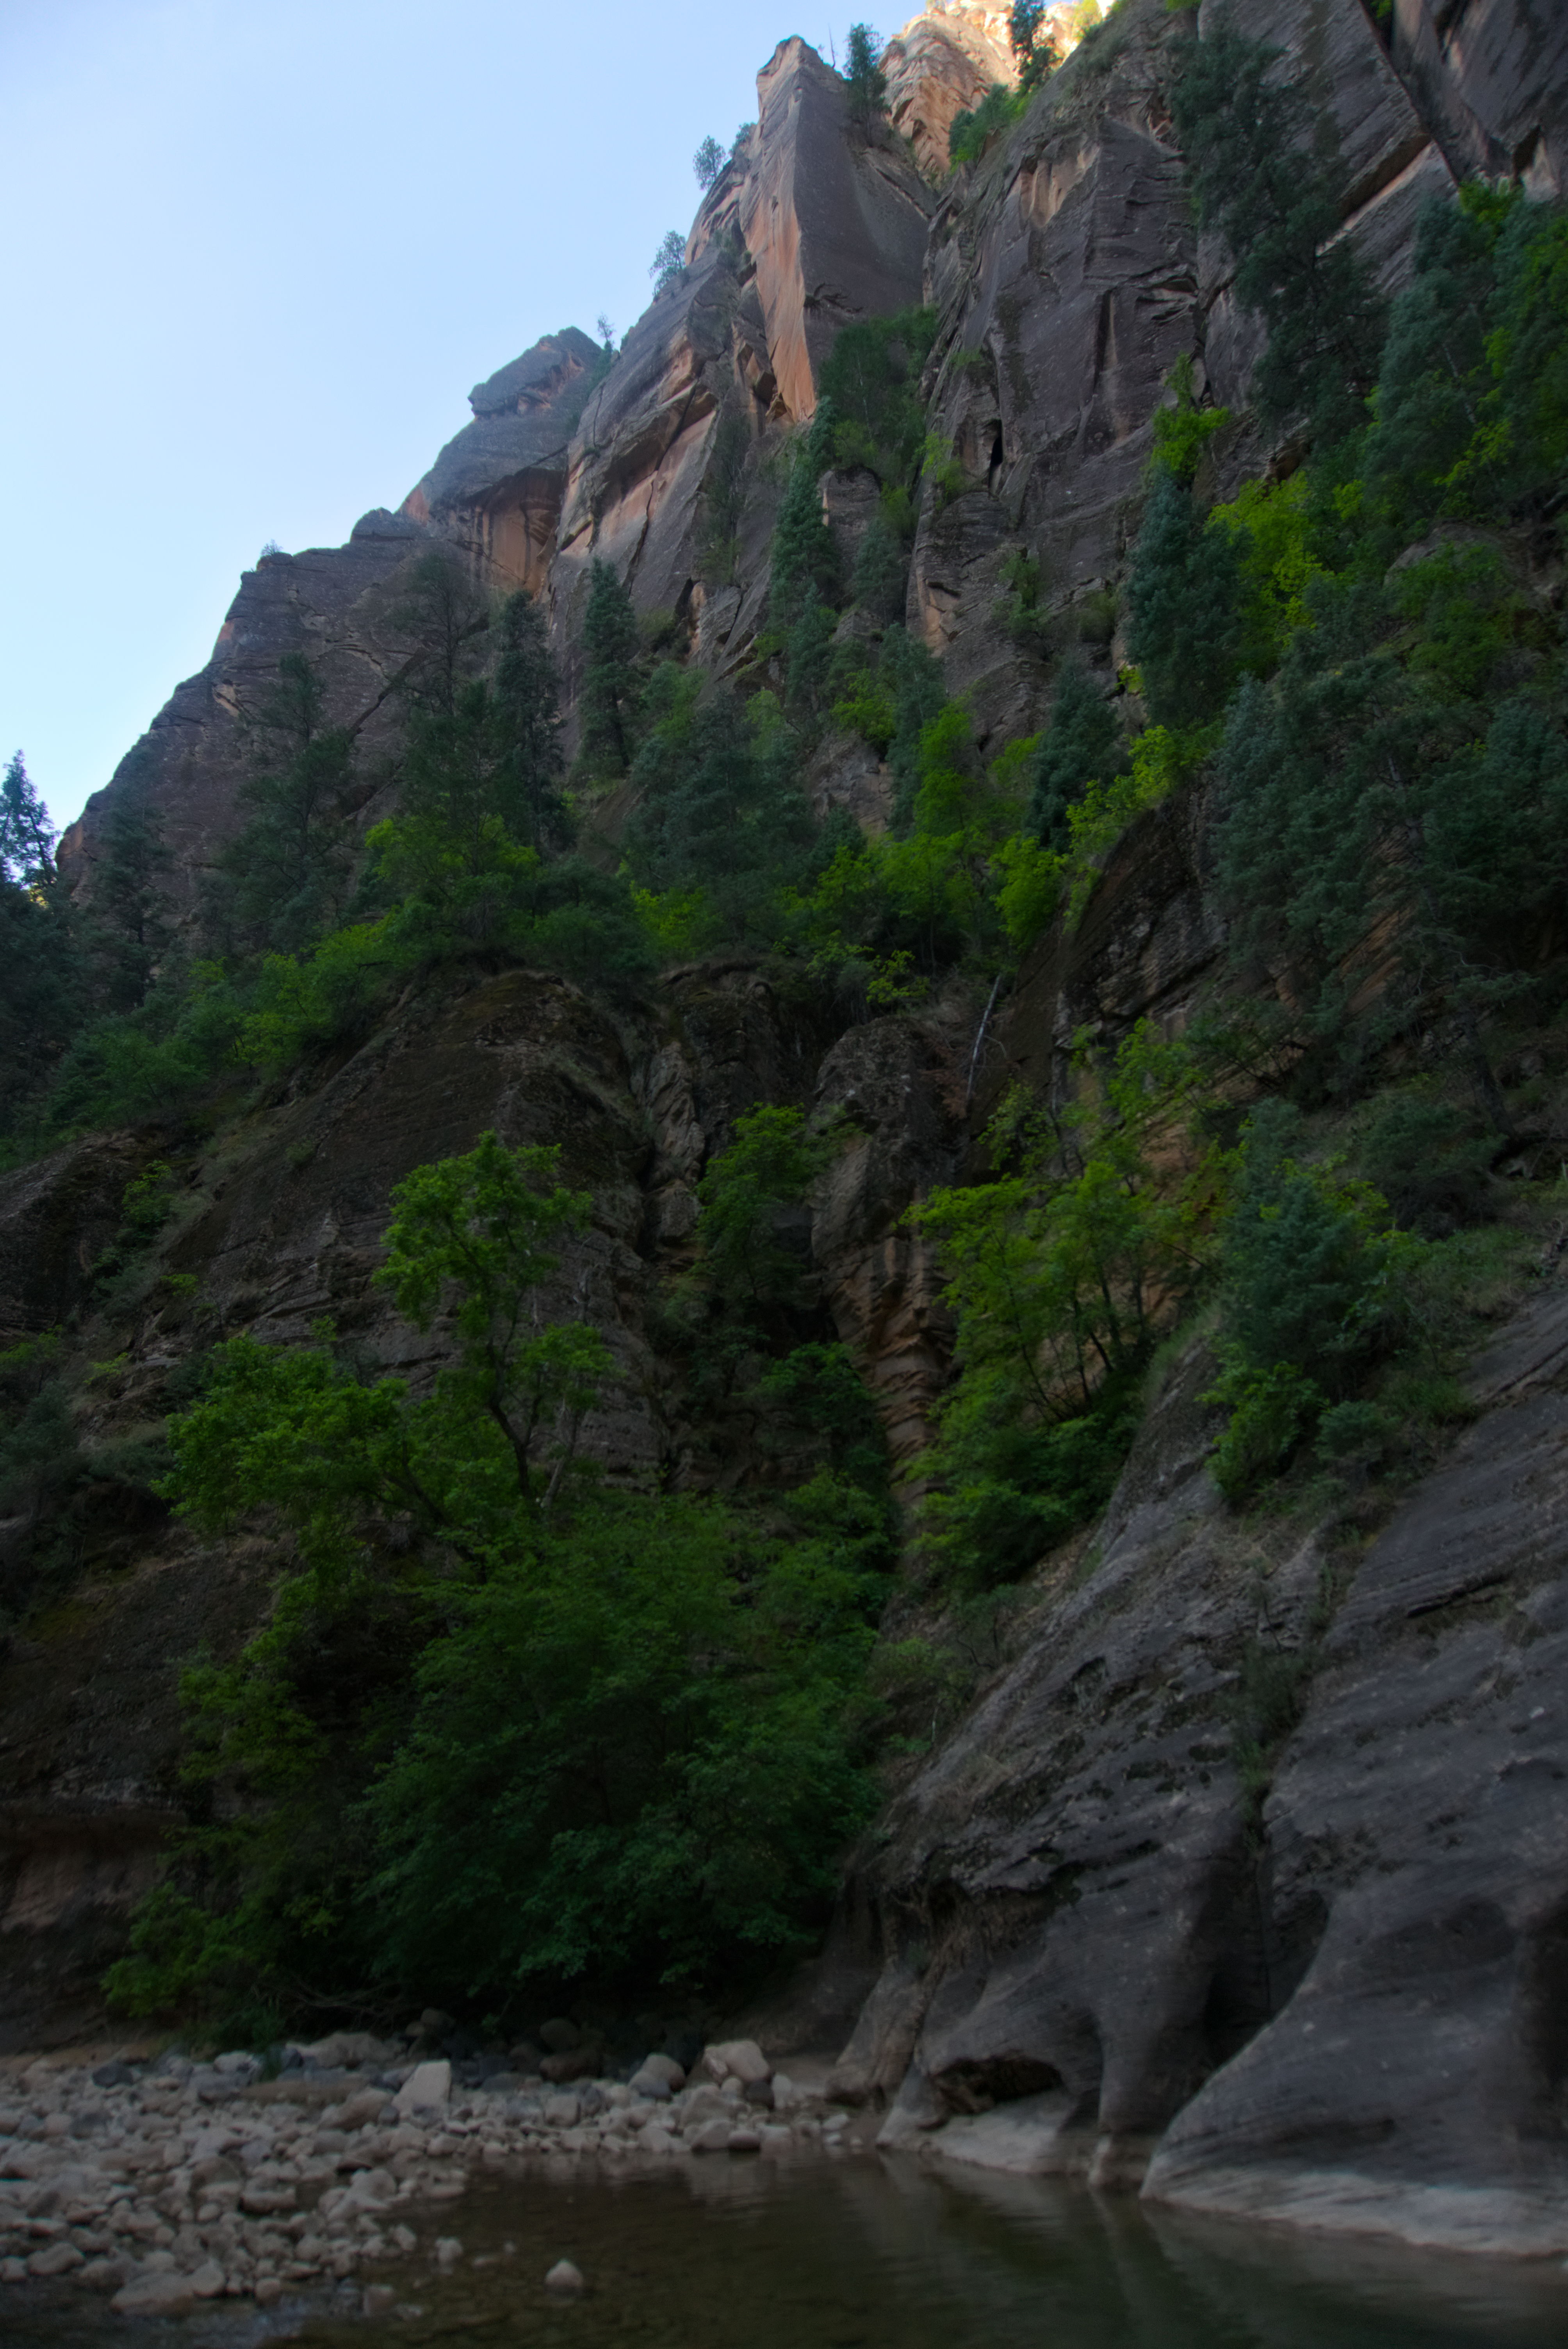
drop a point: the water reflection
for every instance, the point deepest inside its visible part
(864, 2254)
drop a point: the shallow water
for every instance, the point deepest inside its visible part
(862, 2254)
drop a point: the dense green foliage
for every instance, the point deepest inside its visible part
(1062, 1271)
(504, 1730)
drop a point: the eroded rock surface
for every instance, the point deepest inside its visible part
(1341, 2010)
(1417, 2082)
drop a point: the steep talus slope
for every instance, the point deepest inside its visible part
(1245, 1877)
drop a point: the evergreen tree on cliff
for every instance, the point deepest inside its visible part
(528, 707)
(1249, 141)
(610, 683)
(866, 80)
(1034, 58)
(1081, 745)
(27, 835)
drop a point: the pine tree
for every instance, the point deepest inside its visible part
(1262, 178)
(1186, 599)
(1082, 744)
(668, 264)
(709, 162)
(863, 73)
(1034, 58)
(285, 878)
(445, 617)
(611, 685)
(27, 835)
(805, 560)
(528, 715)
(128, 932)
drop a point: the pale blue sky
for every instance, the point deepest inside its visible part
(253, 254)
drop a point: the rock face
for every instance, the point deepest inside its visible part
(941, 64)
(835, 221)
(1342, 2008)
(1490, 77)
(496, 489)
(334, 604)
(1417, 2082)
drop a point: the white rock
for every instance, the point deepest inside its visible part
(156, 2294)
(564, 2277)
(713, 2136)
(665, 2068)
(788, 2094)
(427, 2087)
(738, 2059)
(449, 2250)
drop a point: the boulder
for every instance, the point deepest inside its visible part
(157, 2293)
(736, 2059)
(427, 2087)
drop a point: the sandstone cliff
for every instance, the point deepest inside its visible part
(1098, 1931)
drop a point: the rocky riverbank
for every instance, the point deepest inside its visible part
(166, 2182)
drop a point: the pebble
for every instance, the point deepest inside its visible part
(564, 2277)
(168, 2184)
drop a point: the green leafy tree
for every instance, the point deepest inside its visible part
(445, 619)
(804, 569)
(872, 375)
(1060, 1272)
(472, 1239)
(1311, 1280)
(709, 162)
(720, 808)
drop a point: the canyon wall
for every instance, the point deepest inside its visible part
(1093, 1932)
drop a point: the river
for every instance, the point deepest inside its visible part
(858, 2253)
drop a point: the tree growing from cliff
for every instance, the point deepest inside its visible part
(1082, 744)
(1034, 58)
(27, 835)
(1187, 602)
(528, 714)
(285, 877)
(1060, 1272)
(446, 619)
(863, 75)
(1265, 178)
(611, 685)
(668, 266)
(709, 162)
